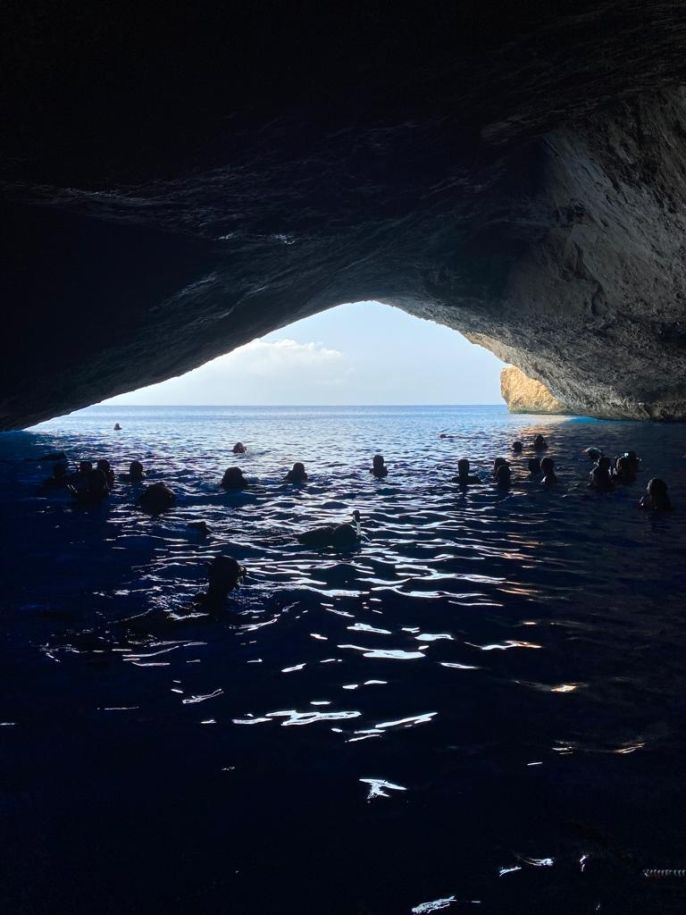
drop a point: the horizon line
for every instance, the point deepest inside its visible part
(246, 405)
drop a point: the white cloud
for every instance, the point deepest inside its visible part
(283, 371)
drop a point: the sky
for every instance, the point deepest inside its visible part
(362, 353)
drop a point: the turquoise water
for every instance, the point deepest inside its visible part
(493, 683)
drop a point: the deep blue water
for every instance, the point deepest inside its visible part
(493, 683)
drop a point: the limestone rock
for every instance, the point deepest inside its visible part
(175, 185)
(526, 395)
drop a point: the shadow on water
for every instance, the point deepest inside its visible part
(480, 709)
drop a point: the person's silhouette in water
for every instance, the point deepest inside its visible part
(233, 479)
(464, 478)
(656, 497)
(297, 473)
(548, 471)
(378, 467)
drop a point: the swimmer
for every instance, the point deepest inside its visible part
(548, 470)
(233, 479)
(104, 465)
(656, 497)
(296, 474)
(378, 467)
(624, 471)
(594, 454)
(224, 575)
(499, 462)
(601, 476)
(517, 447)
(503, 476)
(117, 427)
(135, 474)
(534, 467)
(200, 526)
(463, 475)
(156, 498)
(540, 443)
(59, 477)
(92, 487)
(239, 448)
(341, 536)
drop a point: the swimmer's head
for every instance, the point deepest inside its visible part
(136, 470)
(547, 465)
(517, 447)
(224, 574)
(377, 462)
(463, 467)
(534, 466)
(540, 442)
(85, 466)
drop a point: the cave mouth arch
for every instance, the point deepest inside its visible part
(358, 353)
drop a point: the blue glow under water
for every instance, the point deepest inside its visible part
(494, 683)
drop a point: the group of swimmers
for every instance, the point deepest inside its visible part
(91, 484)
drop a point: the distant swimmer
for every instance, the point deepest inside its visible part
(464, 478)
(503, 476)
(297, 473)
(656, 497)
(517, 447)
(601, 476)
(104, 465)
(117, 427)
(534, 467)
(548, 470)
(136, 473)
(624, 470)
(200, 526)
(340, 536)
(378, 467)
(156, 498)
(233, 479)
(224, 575)
(540, 443)
(239, 448)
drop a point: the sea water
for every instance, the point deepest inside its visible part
(480, 709)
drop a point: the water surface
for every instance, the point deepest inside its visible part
(480, 709)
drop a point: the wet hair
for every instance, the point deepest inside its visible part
(517, 446)
(136, 470)
(632, 458)
(378, 460)
(497, 464)
(600, 477)
(502, 474)
(233, 478)
(625, 471)
(534, 466)
(104, 465)
(239, 448)
(156, 498)
(85, 466)
(540, 443)
(547, 465)
(593, 453)
(463, 465)
(603, 463)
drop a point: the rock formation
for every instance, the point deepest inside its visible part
(525, 395)
(177, 181)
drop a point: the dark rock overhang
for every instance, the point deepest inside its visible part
(179, 180)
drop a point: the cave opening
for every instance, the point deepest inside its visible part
(360, 353)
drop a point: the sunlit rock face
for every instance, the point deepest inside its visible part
(176, 185)
(525, 395)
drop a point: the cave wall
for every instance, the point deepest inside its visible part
(175, 185)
